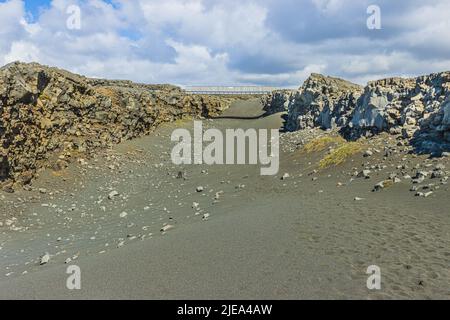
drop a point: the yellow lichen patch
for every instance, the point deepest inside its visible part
(183, 120)
(340, 154)
(319, 144)
(44, 97)
(110, 93)
(388, 183)
(61, 173)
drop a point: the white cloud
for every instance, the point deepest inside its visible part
(230, 41)
(329, 6)
(378, 63)
(227, 23)
(22, 51)
(11, 27)
(295, 77)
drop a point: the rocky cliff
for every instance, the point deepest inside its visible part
(418, 108)
(48, 114)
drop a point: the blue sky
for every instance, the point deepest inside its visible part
(229, 42)
(33, 5)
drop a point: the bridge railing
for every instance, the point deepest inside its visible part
(234, 90)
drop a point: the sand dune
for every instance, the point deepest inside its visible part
(302, 237)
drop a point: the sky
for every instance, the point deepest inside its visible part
(228, 42)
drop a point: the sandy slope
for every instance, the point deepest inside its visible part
(268, 238)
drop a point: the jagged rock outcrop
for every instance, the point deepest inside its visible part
(277, 101)
(48, 113)
(417, 108)
(321, 102)
(397, 104)
(433, 135)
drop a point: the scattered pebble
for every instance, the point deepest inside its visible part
(123, 214)
(112, 195)
(167, 228)
(44, 259)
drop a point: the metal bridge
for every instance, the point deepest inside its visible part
(219, 90)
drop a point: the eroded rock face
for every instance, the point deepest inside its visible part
(277, 101)
(398, 105)
(47, 112)
(434, 133)
(417, 108)
(321, 102)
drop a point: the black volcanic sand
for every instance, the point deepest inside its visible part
(298, 238)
